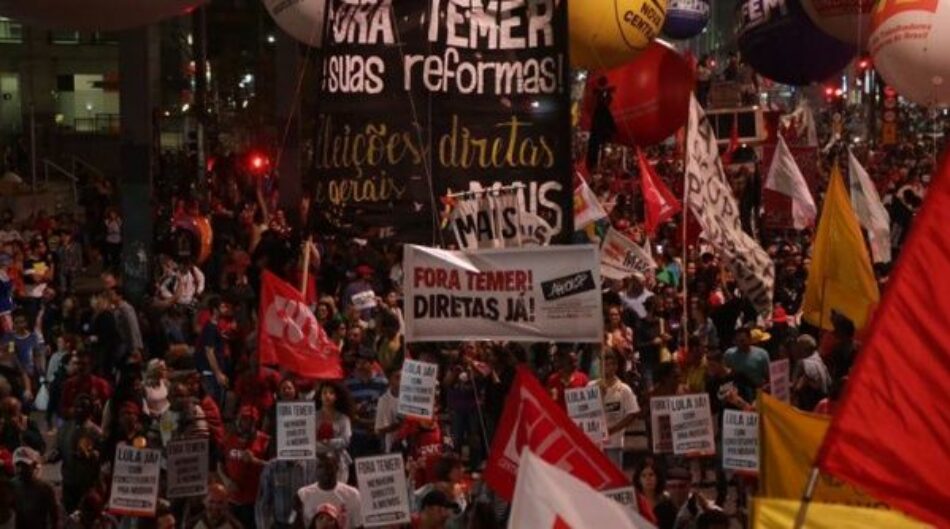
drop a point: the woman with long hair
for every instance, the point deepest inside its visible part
(650, 485)
(334, 428)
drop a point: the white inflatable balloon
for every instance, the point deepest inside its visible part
(302, 20)
(91, 15)
(909, 43)
(848, 21)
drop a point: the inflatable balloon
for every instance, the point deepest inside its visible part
(650, 95)
(607, 33)
(848, 21)
(205, 237)
(685, 18)
(302, 20)
(103, 15)
(909, 43)
(780, 42)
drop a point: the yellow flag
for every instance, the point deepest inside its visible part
(771, 513)
(790, 440)
(840, 276)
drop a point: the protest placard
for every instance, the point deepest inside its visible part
(296, 430)
(547, 293)
(364, 300)
(692, 425)
(661, 435)
(382, 484)
(417, 389)
(626, 496)
(779, 373)
(187, 462)
(135, 481)
(740, 440)
(620, 257)
(586, 408)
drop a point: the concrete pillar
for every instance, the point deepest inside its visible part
(139, 68)
(287, 63)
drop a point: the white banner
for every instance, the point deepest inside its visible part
(135, 481)
(712, 202)
(417, 389)
(382, 484)
(187, 462)
(620, 257)
(779, 374)
(692, 425)
(547, 293)
(661, 434)
(296, 430)
(496, 219)
(740, 440)
(626, 496)
(586, 408)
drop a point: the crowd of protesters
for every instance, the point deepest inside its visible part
(84, 370)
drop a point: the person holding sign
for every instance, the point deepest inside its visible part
(620, 405)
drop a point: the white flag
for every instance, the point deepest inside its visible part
(547, 497)
(620, 257)
(802, 120)
(587, 209)
(870, 211)
(711, 201)
(786, 178)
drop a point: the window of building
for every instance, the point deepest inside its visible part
(64, 37)
(10, 31)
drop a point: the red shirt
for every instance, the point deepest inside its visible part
(258, 388)
(557, 386)
(213, 418)
(76, 385)
(425, 445)
(246, 475)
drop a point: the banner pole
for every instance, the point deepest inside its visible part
(305, 276)
(685, 263)
(806, 498)
(481, 417)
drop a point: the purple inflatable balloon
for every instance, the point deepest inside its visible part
(780, 42)
(685, 18)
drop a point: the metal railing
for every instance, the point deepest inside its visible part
(71, 176)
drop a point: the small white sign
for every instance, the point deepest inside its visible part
(135, 481)
(661, 435)
(779, 373)
(692, 425)
(740, 440)
(382, 484)
(417, 389)
(296, 430)
(586, 408)
(187, 461)
(364, 300)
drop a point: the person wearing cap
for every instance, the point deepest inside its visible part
(245, 454)
(329, 490)
(36, 504)
(365, 388)
(749, 362)
(328, 517)
(435, 511)
(811, 381)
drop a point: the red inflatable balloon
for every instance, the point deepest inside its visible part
(650, 95)
(103, 15)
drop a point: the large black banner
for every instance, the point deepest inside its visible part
(423, 97)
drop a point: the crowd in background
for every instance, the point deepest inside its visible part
(83, 369)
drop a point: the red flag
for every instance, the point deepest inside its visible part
(289, 334)
(532, 419)
(889, 434)
(733, 141)
(659, 203)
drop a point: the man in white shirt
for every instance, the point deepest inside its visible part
(387, 417)
(636, 295)
(620, 406)
(328, 490)
(190, 284)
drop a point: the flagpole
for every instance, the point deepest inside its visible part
(685, 264)
(305, 277)
(806, 498)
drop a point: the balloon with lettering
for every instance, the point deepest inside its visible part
(780, 42)
(685, 18)
(104, 15)
(909, 43)
(607, 33)
(650, 98)
(848, 21)
(302, 19)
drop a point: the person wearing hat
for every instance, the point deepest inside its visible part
(811, 381)
(36, 503)
(749, 362)
(365, 387)
(435, 511)
(329, 490)
(245, 454)
(328, 517)
(357, 290)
